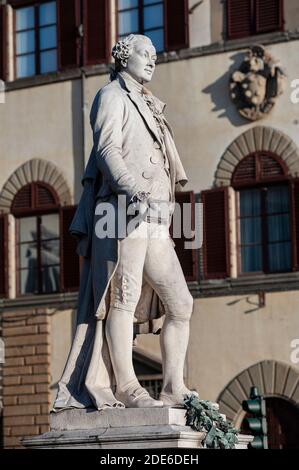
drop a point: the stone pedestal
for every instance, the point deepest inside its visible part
(121, 428)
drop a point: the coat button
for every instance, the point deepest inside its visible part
(154, 160)
(147, 175)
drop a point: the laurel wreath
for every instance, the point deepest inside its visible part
(203, 416)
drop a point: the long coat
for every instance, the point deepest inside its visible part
(125, 139)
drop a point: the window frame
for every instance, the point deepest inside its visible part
(264, 243)
(35, 212)
(34, 3)
(141, 29)
(259, 183)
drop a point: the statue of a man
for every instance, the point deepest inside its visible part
(136, 278)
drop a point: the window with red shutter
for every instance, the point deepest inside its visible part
(3, 255)
(3, 40)
(70, 262)
(187, 257)
(96, 31)
(216, 233)
(250, 17)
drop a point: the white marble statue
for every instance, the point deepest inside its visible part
(137, 278)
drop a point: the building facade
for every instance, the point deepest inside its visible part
(54, 57)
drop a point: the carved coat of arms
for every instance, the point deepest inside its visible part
(257, 84)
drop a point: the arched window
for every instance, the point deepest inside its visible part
(264, 209)
(46, 259)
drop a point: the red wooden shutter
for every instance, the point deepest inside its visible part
(70, 270)
(3, 256)
(269, 15)
(68, 16)
(3, 40)
(96, 26)
(239, 18)
(216, 233)
(187, 257)
(295, 223)
(176, 24)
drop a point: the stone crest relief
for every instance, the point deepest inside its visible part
(255, 87)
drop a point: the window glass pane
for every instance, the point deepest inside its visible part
(251, 230)
(50, 253)
(28, 281)
(251, 259)
(27, 229)
(149, 2)
(279, 257)
(47, 13)
(25, 42)
(47, 37)
(153, 17)
(157, 37)
(122, 4)
(28, 255)
(48, 61)
(128, 22)
(278, 228)
(49, 226)
(50, 279)
(250, 202)
(25, 66)
(278, 199)
(24, 18)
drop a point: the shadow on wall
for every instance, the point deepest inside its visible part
(257, 301)
(219, 91)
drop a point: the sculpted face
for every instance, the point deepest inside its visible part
(141, 64)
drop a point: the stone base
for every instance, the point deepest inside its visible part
(121, 428)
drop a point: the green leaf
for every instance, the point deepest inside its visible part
(202, 415)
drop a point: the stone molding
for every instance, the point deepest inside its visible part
(273, 379)
(32, 171)
(257, 139)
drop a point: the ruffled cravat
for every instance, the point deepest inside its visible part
(155, 106)
(156, 110)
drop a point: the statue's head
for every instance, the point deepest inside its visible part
(137, 56)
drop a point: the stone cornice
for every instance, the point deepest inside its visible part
(164, 57)
(203, 289)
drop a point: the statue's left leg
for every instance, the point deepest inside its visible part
(126, 287)
(168, 280)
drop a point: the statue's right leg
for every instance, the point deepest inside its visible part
(126, 287)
